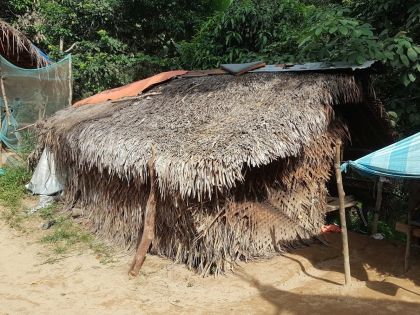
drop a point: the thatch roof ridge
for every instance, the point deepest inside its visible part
(14, 42)
(205, 129)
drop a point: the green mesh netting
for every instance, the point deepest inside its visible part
(31, 94)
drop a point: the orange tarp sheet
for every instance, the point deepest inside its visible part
(131, 89)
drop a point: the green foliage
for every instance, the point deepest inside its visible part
(117, 41)
(113, 41)
(334, 37)
(247, 31)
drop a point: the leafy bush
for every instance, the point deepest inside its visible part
(247, 31)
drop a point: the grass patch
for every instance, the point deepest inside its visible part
(12, 186)
(67, 236)
(12, 191)
(48, 213)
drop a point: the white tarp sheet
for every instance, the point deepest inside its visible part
(45, 180)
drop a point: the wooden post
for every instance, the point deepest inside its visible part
(61, 44)
(377, 206)
(341, 196)
(408, 243)
(6, 107)
(70, 82)
(3, 95)
(149, 221)
(1, 143)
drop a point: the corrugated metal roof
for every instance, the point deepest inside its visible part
(315, 66)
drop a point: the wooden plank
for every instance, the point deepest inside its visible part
(334, 203)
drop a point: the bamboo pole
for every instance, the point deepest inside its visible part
(3, 95)
(341, 196)
(1, 143)
(377, 206)
(149, 221)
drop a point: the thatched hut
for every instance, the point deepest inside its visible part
(241, 162)
(18, 49)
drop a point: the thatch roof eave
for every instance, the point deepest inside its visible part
(18, 49)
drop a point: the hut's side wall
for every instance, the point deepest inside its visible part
(278, 206)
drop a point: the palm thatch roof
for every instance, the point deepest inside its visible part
(205, 129)
(241, 163)
(18, 49)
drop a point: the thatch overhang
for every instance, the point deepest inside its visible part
(207, 130)
(18, 49)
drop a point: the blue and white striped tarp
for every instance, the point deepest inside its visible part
(401, 160)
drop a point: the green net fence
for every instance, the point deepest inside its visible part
(28, 95)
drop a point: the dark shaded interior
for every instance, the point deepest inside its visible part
(369, 131)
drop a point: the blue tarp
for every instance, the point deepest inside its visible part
(43, 54)
(399, 160)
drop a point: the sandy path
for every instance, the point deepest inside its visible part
(306, 281)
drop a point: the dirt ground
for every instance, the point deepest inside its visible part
(305, 281)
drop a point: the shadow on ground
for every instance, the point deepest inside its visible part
(285, 302)
(379, 285)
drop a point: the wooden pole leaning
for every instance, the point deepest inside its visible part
(149, 221)
(342, 209)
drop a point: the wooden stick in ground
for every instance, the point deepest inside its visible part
(377, 206)
(149, 221)
(341, 196)
(3, 95)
